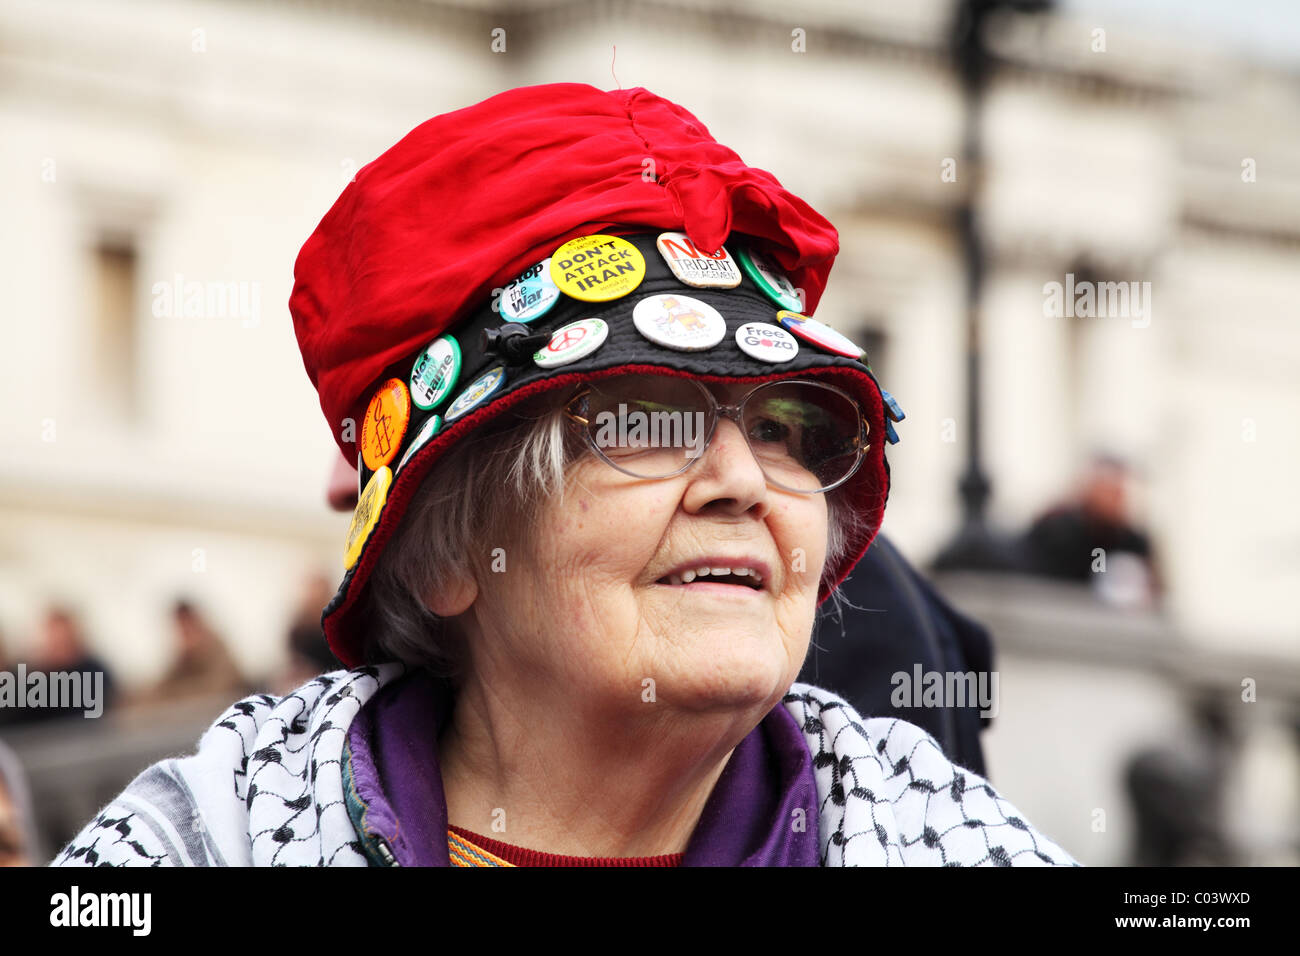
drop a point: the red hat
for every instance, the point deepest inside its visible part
(401, 284)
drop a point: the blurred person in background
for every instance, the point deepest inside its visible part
(1093, 539)
(201, 664)
(62, 648)
(892, 624)
(309, 653)
(1176, 790)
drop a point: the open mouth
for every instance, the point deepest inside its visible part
(741, 577)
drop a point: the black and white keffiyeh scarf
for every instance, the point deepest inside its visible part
(265, 788)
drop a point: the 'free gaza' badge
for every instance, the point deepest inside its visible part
(766, 342)
(597, 268)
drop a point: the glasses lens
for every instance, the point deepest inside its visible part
(648, 426)
(807, 437)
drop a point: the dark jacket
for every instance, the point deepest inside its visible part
(894, 620)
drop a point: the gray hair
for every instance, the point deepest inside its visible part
(489, 486)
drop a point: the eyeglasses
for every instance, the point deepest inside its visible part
(806, 436)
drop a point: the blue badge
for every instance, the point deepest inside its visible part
(531, 295)
(481, 388)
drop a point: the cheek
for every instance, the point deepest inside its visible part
(598, 537)
(800, 529)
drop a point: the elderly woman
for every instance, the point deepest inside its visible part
(609, 466)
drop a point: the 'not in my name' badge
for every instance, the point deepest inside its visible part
(435, 372)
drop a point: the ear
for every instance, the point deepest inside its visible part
(456, 596)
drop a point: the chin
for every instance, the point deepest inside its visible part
(734, 678)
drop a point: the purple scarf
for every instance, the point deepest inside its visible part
(749, 819)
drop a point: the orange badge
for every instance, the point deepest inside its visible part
(385, 424)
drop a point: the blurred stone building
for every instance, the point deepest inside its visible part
(162, 163)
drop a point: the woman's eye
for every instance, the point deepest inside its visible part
(769, 430)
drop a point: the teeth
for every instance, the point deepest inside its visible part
(686, 577)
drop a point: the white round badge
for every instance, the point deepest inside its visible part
(766, 342)
(572, 342)
(479, 389)
(427, 431)
(531, 295)
(679, 322)
(823, 336)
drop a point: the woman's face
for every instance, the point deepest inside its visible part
(594, 600)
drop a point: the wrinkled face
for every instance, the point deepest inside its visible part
(605, 594)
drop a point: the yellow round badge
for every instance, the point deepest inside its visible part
(369, 506)
(597, 268)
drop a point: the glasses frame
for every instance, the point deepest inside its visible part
(735, 413)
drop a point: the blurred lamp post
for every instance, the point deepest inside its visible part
(974, 545)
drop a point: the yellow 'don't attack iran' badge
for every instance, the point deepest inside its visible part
(597, 268)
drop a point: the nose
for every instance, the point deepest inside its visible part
(727, 477)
